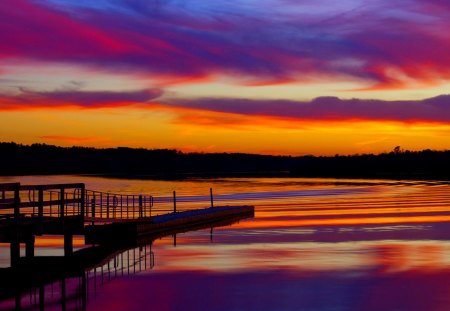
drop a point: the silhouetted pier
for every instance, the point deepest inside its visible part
(27, 211)
(27, 282)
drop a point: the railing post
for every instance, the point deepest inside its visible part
(101, 205)
(16, 203)
(151, 205)
(83, 198)
(93, 207)
(14, 244)
(211, 195)
(140, 206)
(40, 208)
(61, 202)
(114, 206)
(174, 201)
(40, 203)
(121, 206)
(107, 206)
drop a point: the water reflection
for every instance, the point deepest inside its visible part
(224, 274)
(353, 245)
(292, 276)
(74, 292)
(64, 283)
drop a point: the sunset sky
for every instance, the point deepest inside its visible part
(269, 76)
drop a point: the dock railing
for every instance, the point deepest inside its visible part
(63, 200)
(106, 205)
(55, 200)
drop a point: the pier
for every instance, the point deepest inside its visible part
(27, 211)
(31, 275)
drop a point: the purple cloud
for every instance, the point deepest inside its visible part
(266, 41)
(28, 99)
(435, 109)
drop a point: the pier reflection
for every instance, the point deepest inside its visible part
(38, 284)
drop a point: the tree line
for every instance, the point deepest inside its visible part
(18, 159)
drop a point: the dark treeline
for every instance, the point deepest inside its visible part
(17, 159)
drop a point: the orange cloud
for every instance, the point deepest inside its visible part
(69, 139)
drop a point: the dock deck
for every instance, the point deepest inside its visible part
(103, 218)
(125, 230)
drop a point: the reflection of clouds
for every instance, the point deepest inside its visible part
(276, 290)
(395, 228)
(365, 257)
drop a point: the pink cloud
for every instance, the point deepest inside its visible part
(203, 40)
(28, 99)
(320, 109)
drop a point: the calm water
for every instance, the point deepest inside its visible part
(314, 244)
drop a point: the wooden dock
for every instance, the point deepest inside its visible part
(35, 272)
(103, 218)
(128, 230)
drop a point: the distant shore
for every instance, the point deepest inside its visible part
(40, 159)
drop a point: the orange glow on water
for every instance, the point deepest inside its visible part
(346, 221)
(57, 241)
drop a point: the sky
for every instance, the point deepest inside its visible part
(289, 77)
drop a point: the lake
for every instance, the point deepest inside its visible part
(314, 244)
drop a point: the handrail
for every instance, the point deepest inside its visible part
(73, 199)
(9, 186)
(108, 205)
(51, 186)
(22, 200)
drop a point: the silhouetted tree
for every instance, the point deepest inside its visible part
(17, 159)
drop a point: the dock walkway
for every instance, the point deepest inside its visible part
(126, 230)
(27, 211)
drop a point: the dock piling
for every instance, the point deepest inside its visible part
(14, 253)
(174, 201)
(68, 243)
(41, 297)
(29, 246)
(211, 195)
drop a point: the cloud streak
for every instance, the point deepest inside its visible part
(69, 139)
(383, 44)
(237, 111)
(28, 99)
(435, 109)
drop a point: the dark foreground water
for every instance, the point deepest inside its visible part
(314, 244)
